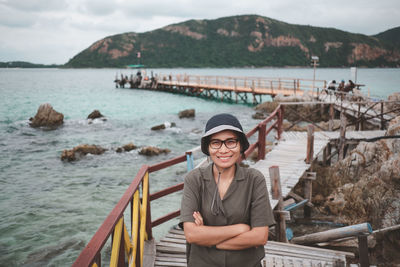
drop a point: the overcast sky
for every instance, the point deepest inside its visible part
(53, 31)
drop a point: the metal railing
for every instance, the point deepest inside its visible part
(130, 248)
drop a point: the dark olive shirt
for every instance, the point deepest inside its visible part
(246, 201)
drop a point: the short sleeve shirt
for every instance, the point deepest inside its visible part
(246, 201)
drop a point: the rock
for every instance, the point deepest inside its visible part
(318, 199)
(259, 116)
(187, 113)
(126, 148)
(46, 116)
(95, 115)
(163, 126)
(395, 97)
(153, 151)
(80, 151)
(267, 107)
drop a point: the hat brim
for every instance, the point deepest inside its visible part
(221, 128)
(241, 135)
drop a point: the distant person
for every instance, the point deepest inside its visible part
(341, 86)
(349, 86)
(225, 209)
(332, 85)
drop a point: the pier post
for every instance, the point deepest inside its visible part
(331, 116)
(363, 250)
(261, 141)
(310, 143)
(276, 192)
(310, 176)
(358, 117)
(382, 121)
(342, 140)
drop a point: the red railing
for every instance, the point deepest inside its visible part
(131, 247)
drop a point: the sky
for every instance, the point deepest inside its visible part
(53, 31)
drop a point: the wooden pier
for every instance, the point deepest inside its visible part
(363, 109)
(225, 88)
(290, 155)
(236, 89)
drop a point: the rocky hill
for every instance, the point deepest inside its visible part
(240, 41)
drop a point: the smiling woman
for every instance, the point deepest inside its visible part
(225, 209)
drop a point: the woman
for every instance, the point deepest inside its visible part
(225, 208)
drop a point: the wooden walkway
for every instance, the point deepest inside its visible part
(370, 110)
(235, 89)
(290, 153)
(171, 251)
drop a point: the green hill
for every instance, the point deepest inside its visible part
(24, 64)
(391, 36)
(240, 41)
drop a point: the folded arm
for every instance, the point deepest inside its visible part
(257, 236)
(197, 233)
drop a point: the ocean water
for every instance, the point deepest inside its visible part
(50, 209)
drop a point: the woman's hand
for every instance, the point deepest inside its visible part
(198, 219)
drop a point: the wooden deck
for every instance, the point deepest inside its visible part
(290, 153)
(370, 109)
(171, 251)
(236, 89)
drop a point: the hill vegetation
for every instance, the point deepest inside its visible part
(242, 41)
(23, 64)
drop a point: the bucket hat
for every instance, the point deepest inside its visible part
(222, 122)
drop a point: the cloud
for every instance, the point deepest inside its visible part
(15, 18)
(98, 8)
(35, 5)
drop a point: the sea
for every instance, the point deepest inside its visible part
(50, 209)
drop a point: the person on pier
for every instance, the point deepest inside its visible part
(225, 209)
(332, 85)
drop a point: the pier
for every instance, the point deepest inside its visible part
(228, 88)
(289, 161)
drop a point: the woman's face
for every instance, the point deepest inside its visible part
(224, 149)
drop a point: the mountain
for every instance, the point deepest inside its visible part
(391, 36)
(239, 41)
(23, 64)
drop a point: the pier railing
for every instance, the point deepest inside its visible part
(130, 247)
(250, 84)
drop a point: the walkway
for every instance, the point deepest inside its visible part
(370, 110)
(290, 153)
(235, 89)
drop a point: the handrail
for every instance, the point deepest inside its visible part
(131, 248)
(259, 83)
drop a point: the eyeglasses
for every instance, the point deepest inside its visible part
(229, 143)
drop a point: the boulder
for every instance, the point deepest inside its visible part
(395, 97)
(153, 151)
(163, 126)
(259, 116)
(126, 148)
(46, 116)
(80, 151)
(95, 115)
(187, 113)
